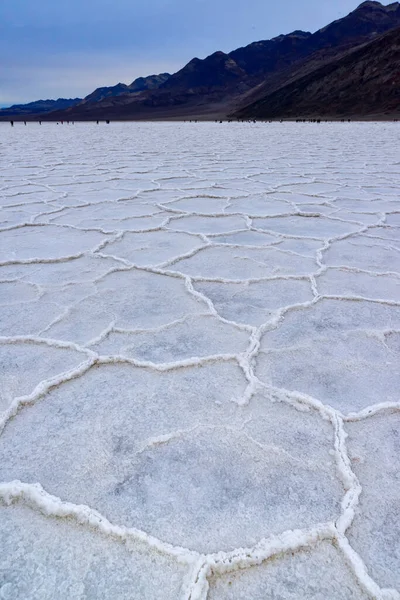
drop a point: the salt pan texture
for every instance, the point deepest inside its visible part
(199, 350)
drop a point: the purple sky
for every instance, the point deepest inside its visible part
(52, 49)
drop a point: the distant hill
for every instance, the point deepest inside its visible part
(239, 83)
(39, 107)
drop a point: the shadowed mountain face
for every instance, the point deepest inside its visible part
(223, 84)
(265, 56)
(217, 70)
(101, 93)
(363, 82)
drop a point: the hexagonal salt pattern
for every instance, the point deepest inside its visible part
(199, 349)
(254, 303)
(194, 336)
(243, 263)
(31, 243)
(160, 449)
(335, 351)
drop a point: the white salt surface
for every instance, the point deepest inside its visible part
(199, 360)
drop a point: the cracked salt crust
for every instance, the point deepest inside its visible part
(199, 362)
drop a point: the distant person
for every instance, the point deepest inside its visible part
(12, 123)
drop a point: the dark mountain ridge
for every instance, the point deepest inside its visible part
(365, 81)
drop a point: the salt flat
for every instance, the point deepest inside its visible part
(199, 359)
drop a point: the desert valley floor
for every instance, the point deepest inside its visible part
(199, 361)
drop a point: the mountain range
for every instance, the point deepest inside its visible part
(38, 107)
(350, 68)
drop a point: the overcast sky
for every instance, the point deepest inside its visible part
(53, 48)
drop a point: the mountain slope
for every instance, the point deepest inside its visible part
(151, 82)
(363, 82)
(101, 93)
(140, 84)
